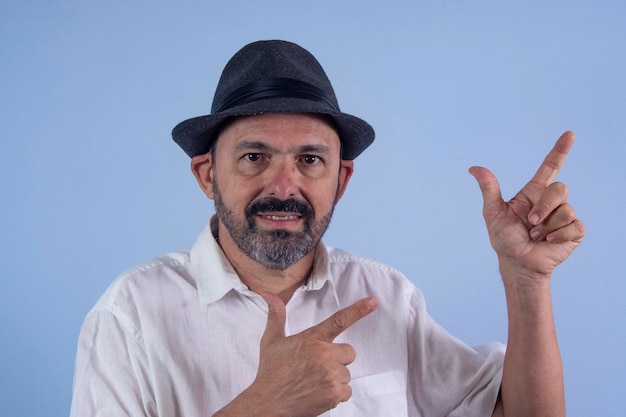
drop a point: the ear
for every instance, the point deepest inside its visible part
(202, 168)
(345, 172)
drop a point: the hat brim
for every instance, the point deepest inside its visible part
(196, 135)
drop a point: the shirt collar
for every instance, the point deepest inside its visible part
(215, 275)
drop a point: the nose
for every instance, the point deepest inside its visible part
(283, 180)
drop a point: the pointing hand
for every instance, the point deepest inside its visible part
(537, 229)
(306, 374)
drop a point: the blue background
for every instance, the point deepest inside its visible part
(92, 184)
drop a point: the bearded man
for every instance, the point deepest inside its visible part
(261, 318)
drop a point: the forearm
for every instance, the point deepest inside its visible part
(532, 382)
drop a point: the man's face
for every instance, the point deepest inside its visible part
(275, 181)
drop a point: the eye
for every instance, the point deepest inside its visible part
(311, 159)
(253, 157)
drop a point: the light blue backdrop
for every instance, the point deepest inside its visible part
(91, 183)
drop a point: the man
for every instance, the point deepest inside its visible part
(260, 318)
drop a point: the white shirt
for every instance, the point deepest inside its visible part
(179, 336)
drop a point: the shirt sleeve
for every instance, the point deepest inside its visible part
(111, 369)
(447, 377)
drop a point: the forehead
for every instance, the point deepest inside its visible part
(281, 130)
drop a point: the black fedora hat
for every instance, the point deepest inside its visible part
(272, 77)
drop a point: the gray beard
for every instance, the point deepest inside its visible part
(274, 249)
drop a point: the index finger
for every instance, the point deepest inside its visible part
(333, 326)
(553, 162)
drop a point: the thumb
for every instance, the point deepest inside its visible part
(488, 183)
(276, 318)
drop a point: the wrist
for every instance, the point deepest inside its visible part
(249, 403)
(528, 299)
(515, 274)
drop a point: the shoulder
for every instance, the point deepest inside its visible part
(348, 270)
(341, 259)
(168, 274)
(140, 300)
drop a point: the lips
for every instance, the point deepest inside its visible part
(280, 217)
(273, 209)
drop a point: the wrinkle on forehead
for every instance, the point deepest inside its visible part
(255, 131)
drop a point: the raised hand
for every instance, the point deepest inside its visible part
(306, 374)
(536, 230)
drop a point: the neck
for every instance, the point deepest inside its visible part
(258, 277)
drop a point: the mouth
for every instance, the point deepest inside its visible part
(280, 217)
(273, 214)
(280, 220)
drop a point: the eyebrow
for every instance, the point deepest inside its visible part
(318, 149)
(246, 145)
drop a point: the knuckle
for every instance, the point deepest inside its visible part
(332, 404)
(338, 321)
(542, 206)
(560, 188)
(570, 214)
(346, 392)
(347, 375)
(339, 393)
(350, 352)
(359, 308)
(551, 164)
(273, 315)
(580, 227)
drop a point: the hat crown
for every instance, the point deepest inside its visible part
(274, 59)
(272, 76)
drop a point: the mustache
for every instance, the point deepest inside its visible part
(291, 205)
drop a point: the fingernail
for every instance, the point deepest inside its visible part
(372, 303)
(535, 234)
(534, 219)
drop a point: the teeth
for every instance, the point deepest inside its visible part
(291, 217)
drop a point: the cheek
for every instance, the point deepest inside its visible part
(322, 197)
(237, 195)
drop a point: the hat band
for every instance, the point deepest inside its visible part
(271, 88)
